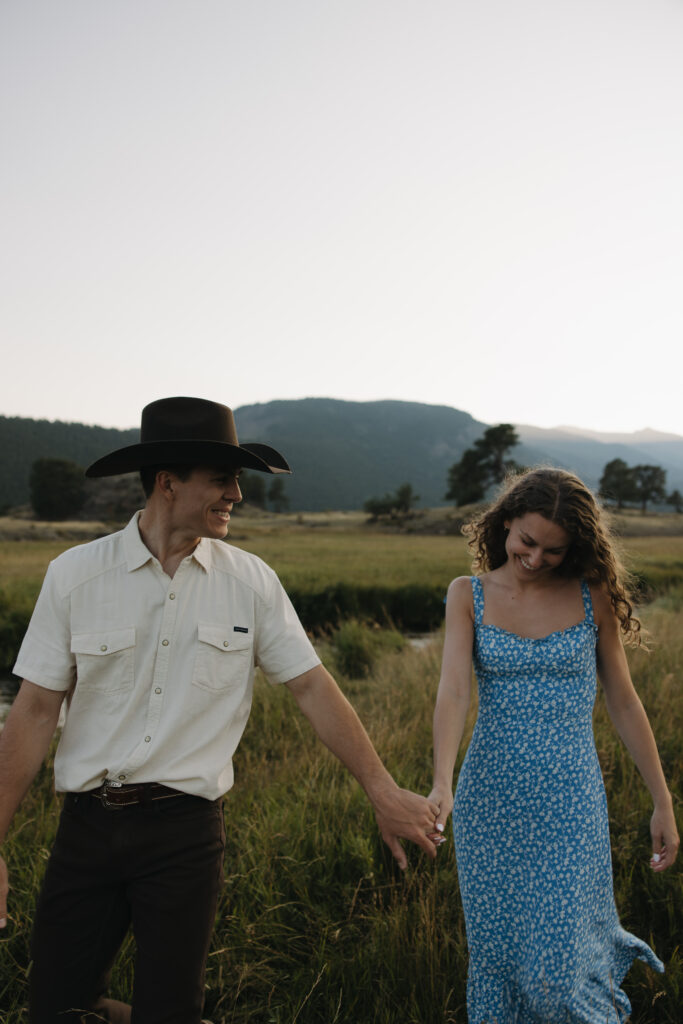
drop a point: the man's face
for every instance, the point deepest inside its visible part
(203, 503)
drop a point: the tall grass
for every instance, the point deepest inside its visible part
(315, 923)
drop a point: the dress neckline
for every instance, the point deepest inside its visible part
(478, 595)
(533, 639)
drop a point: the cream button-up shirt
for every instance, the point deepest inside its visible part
(159, 671)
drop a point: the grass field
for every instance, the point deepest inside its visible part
(334, 568)
(316, 925)
(313, 551)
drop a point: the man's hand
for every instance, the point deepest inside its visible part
(404, 815)
(4, 888)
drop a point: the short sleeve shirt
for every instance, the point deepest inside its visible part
(159, 671)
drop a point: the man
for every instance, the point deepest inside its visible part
(150, 637)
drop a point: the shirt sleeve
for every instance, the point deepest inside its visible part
(45, 656)
(282, 649)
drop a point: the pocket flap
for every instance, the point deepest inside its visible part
(108, 641)
(223, 638)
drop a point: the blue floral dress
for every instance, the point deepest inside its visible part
(532, 840)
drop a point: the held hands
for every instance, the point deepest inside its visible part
(443, 798)
(405, 815)
(665, 841)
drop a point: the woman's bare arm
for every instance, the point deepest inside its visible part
(632, 724)
(453, 696)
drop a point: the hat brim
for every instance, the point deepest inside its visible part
(191, 452)
(276, 463)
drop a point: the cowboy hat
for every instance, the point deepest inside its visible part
(191, 431)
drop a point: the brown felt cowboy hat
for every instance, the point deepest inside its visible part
(188, 431)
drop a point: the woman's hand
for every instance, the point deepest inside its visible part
(443, 798)
(665, 841)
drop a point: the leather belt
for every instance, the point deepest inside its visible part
(115, 794)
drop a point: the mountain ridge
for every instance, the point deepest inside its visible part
(345, 452)
(645, 435)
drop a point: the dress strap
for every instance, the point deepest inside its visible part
(587, 602)
(478, 597)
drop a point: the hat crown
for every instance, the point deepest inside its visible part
(187, 419)
(191, 432)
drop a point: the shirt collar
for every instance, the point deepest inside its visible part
(202, 554)
(138, 554)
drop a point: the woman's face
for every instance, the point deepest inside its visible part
(535, 546)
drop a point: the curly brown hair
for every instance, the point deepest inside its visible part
(562, 498)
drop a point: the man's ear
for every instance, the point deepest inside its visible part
(165, 483)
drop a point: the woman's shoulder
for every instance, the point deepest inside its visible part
(461, 582)
(603, 610)
(465, 586)
(460, 591)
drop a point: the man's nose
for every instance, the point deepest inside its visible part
(232, 492)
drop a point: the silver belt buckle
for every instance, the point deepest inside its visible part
(106, 786)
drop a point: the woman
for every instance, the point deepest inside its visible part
(530, 816)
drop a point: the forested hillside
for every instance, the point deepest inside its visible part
(343, 453)
(22, 441)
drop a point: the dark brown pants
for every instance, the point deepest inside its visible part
(156, 868)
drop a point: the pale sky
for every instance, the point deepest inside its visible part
(473, 203)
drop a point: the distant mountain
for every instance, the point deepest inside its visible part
(645, 436)
(587, 452)
(343, 453)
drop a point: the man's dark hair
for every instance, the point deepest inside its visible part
(148, 475)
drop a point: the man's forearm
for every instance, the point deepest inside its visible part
(340, 729)
(24, 742)
(400, 814)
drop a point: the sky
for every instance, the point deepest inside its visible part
(471, 204)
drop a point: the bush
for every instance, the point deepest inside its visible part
(57, 488)
(356, 648)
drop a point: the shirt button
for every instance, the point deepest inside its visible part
(122, 777)
(103, 647)
(225, 643)
(164, 643)
(158, 689)
(147, 739)
(171, 597)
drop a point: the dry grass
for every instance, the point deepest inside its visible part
(315, 922)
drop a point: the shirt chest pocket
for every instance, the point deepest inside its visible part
(105, 661)
(224, 659)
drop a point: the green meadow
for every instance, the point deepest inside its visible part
(316, 924)
(334, 568)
